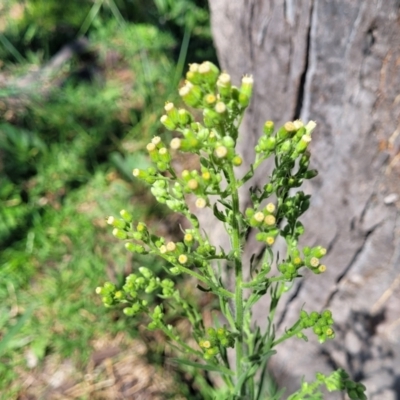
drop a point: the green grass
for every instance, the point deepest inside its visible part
(66, 166)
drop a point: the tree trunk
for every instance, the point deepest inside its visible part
(336, 62)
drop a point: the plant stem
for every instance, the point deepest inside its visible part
(235, 238)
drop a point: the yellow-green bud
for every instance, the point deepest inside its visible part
(191, 94)
(165, 157)
(183, 259)
(270, 207)
(193, 184)
(117, 223)
(168, 123)
(119, 234)
(220, 107)
(237, 161)
(269, 220)
(221, 152)
(314, 262)
(210, 99)
(171, 246)
(200, 202)
(188, 238)
(270, 240)
(193, 75)
(175, 143)
(151, 147)
(298, 124)
(209, 72)
(310, 127)
(259, 216)
(322, 268)
(290, 127)
(268, 128)
(184, 117)
(246, 90)
(224, 85)
(172, 112)
(303, 143)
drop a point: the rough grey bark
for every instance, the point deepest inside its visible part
(336, 62)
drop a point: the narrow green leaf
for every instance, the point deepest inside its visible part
(207, 367)
(218, 213)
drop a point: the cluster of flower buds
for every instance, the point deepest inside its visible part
(222, 104)
(340, 380)
(135, 286)
(265, 221)
(215, 340)
(320, 322)
(311, 260)
(291, 139)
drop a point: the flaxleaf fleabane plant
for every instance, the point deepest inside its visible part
(275, 211)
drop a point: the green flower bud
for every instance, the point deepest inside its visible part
(188, 239)
(201, 202)
(175, 143)
(312, 173)
(126, 216)
(184, 117)
(305, 160)
(269, 220)
(191, 95)
(209, 72)
(286, 146)
(314, 316)
(211, 332)
(224, 85)
(290, 127)
(172, 112)
(269, 144)
(221, 109)
(303, 314)
(237, 161)
(228, 142)
(193, 75)
(119, 234)
(268, 128)
(246, 90)
(183, 259)
(146, 272)
(221, 152)
(153, 153)
(134, 248)
(234, 94)
(211, 117)
(303, 144)
(117, 223)
(210, 100)
(164, 155)
(168, 122)
(310, 127)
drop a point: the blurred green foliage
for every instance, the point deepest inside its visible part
(66, 156)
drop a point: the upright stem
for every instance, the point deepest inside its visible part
(235, 237)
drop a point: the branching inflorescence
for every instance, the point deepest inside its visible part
(275, 211)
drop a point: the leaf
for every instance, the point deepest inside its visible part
(248, 175)
(246, 375)
(207, 367)
(218, 214)
(205, 163)
(203, 289)
(226, 204)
